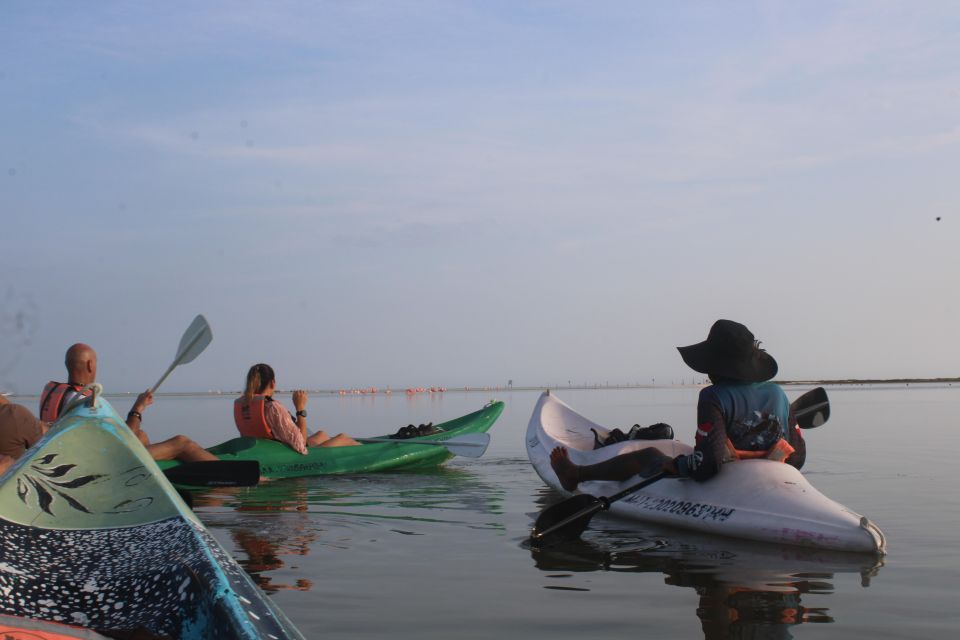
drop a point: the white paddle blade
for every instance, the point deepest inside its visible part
(195, 339)
(471, 445)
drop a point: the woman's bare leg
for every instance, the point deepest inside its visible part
(321, 439)
(340, 440)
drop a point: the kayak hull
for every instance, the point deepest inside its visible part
(758, 500)
(277, 460)
(95, 537)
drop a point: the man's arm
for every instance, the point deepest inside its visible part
(135, 416)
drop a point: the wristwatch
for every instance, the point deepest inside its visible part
(302, 412)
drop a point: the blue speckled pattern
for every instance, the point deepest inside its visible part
(157, 577)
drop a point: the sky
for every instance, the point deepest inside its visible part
(462, 193)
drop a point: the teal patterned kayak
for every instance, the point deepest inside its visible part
(95, 536)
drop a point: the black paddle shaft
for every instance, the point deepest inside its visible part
(569, 518)
(215, 473)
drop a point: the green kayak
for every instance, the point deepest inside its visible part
(95, 537)
(277, 460)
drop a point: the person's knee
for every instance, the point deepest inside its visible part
(181, 442)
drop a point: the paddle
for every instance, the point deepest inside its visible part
(186, 496)
(195, 339)
(212, 473)
(811, 409)
(569, 518)
(470, 445)
(215, 473)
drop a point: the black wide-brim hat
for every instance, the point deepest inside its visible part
(730, 351)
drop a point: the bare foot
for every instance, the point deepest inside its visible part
(567, 472)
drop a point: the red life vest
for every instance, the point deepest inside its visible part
(250, 417)
(780, 451)
(53, 396)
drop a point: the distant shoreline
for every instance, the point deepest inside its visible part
(506, 388)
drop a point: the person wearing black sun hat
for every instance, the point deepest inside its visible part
(740, 415)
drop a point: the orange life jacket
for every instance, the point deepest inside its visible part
(780, 451)
(250, 417)
(53, 396)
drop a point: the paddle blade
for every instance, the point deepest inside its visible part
(565, 520)
(186, 496)
(195, 339)
(215, 473)
(471, 445)
(812, 409)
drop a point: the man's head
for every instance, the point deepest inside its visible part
(81, 362)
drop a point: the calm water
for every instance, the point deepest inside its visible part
(443, 554)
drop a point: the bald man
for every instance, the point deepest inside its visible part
(81, 363)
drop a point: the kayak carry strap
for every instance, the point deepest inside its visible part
(95, 389)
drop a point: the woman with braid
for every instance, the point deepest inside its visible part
(258, 415)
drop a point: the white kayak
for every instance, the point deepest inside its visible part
(750, 499)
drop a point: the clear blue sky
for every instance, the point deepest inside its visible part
(462, 193)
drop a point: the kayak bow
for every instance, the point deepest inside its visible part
(96, 537)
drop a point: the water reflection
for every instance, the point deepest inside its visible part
(275, 525)
(746, 590)
(278, 527)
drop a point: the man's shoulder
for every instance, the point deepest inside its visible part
(18, 413)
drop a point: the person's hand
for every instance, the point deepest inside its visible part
(300, 399)
(144, 400)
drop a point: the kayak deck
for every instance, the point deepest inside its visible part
(758, 500)
(94, 536)
(277, 460)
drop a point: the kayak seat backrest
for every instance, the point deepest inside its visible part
(568, 427)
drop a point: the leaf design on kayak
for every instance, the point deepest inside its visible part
(43, 496)
(56, 472)
(132, 505)
(53, 486)
(23, 489)
(51, 483)
(73, 503)
(78, 482)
